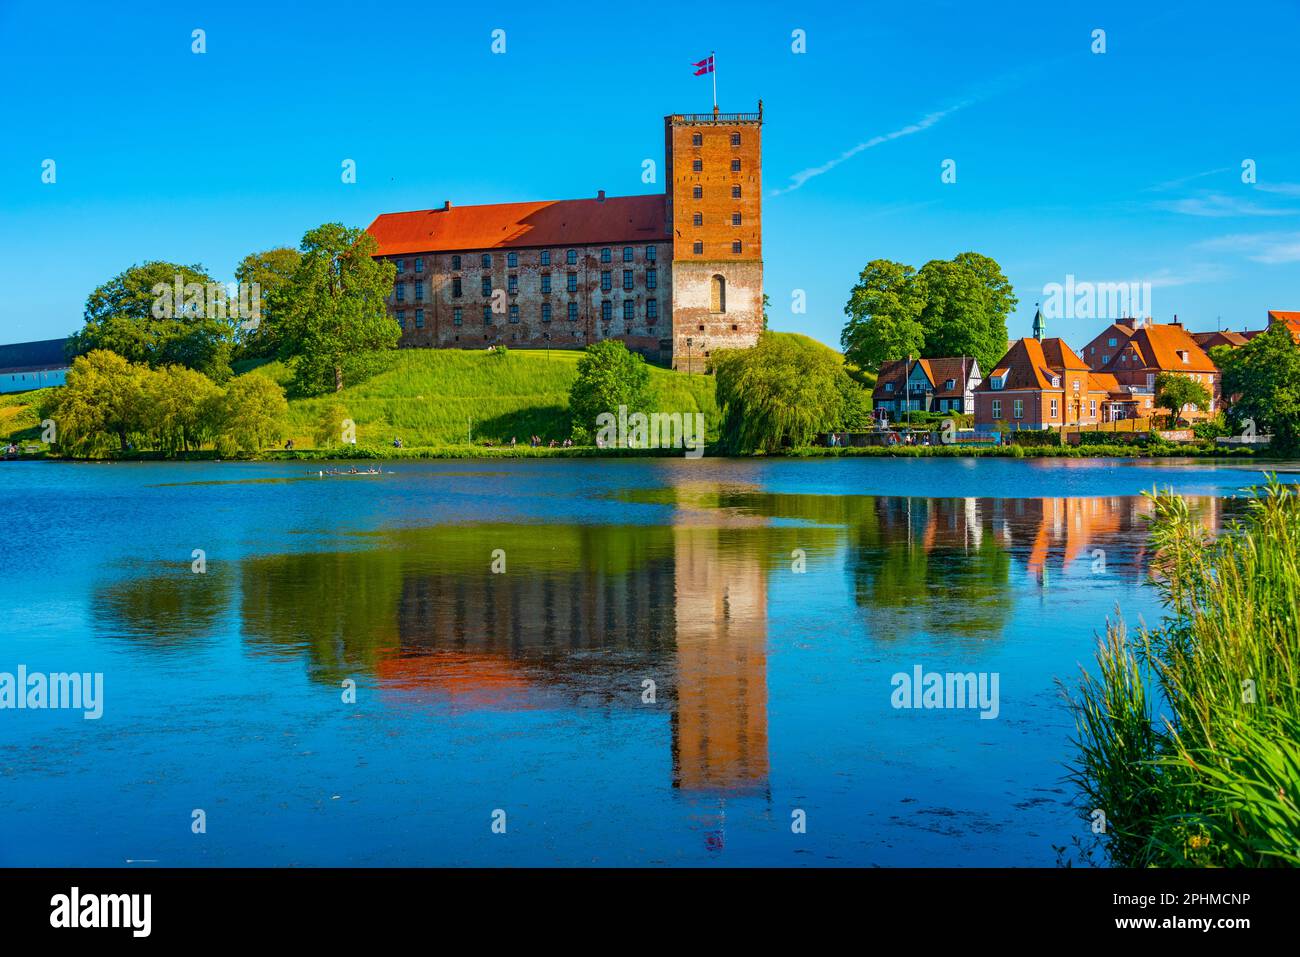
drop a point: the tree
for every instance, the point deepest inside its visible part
(138, 315)
(1262, 381)
(273, 272)
(334, 314)
(609, 376)
(328, 428)
(884, 311)
(182, 407)
(252, 413)
(967, 301)
(1175, 391)
(780, 392)
(102, 398)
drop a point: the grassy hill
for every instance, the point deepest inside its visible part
(432, 397)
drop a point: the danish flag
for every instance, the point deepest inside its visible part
(704, 66)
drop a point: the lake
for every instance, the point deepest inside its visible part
(564, 662)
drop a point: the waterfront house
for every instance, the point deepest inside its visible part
(1151, 349)
(945, 384)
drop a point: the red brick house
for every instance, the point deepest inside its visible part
(1154, 348)
(926, 385)
(1039, 384)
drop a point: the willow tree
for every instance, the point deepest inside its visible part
(780, 393)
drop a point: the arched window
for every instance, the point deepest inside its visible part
(718, 295)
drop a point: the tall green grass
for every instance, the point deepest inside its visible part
(439, 397)
(1189, 734)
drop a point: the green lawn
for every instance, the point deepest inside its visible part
(436, 396)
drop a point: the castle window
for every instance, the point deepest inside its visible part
(401, 291)
(455, 262)
(735, 219)
(573, 312)
(697, 219)
(487, 286)
(629, 309)
(718, 295)
(419, 292)
(487, 315)
(735, 192)
(651, 278)
(419, 318)
(401, 318)
(546, 257)
(697, 192)
(512, 260)
(736, 247)
(512, 283)
(457, 316)
(572, 285)
(401, 265)
(735, 166)
(606, 280)
(455, 288)
(650, 253)
(546, 282)
(697, 166)
(627, 279)
(652, 309)
(419, 265)
(697, 139)
(486, 260)
(546, 312)
(698, 249)
(735, 139)
(606, 310)
(514, 312)
(627, 254)
(571, 257)
(606, 255)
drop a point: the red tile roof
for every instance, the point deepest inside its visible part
(1158, 347)
(565, 222)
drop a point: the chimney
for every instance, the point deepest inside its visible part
(446, 205)
(1176, 322)
(600, 196)
(1128, 322)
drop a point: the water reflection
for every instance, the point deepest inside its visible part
(585, 615)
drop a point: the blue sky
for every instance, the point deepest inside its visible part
(1120, 166)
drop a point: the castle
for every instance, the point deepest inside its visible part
(674, 275)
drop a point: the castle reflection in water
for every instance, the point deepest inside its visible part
(587, 615)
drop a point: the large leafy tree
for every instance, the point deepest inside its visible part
(608, 376)
(332, 315)
(136, 314)
(1262, 381)
(183, 407)
(884, 311)
(949, 308)
(1175, 391)
(781, 392)
(967, 300)
(273, 271)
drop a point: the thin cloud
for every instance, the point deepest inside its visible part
(1268, 248)
(1184, 180)
(1281, 189)
(1218, 205)
(927, 121)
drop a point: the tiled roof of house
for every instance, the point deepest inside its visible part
(957, 369)
(1025, 366)
(33, 356)
(895, 371)
(567, 222)
(1220, 337)
(1160, 347)
(1292, 320)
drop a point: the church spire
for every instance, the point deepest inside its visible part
(1040, 327)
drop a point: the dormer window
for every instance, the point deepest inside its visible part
(889, 387)
(950, 384)
(1184, 355)
(996, 382)
(1056, 382)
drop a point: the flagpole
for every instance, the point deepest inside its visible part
(713, 56)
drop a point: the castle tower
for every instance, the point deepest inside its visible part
(714, 211)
